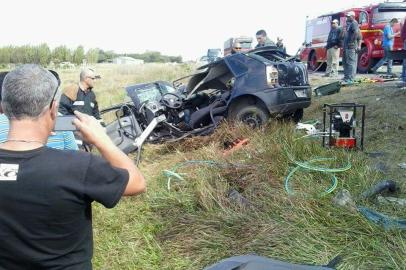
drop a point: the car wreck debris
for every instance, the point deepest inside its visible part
(249, 87)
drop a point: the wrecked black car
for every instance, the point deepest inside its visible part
(249, 87)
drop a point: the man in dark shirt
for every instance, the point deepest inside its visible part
(333, 49)
(46, 194)
(81, 97)
(351, 44)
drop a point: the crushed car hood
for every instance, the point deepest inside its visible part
(217, 74)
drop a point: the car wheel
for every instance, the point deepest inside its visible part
(297, 115)
(252, 115)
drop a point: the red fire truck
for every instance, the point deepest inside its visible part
(372, 19)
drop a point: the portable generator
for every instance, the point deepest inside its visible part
(340, 125)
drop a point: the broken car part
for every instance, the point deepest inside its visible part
(248, 87)
(386, 185)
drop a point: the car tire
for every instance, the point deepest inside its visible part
(297, 115)
(252, 115)
(294, 117)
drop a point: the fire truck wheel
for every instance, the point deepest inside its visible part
(313, 61)
(365, 62)
(313, 65)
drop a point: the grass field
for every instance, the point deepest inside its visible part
(196, 223)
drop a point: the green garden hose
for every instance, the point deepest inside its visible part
(308, 165)
(173, 174)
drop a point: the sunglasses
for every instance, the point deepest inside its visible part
(53, 97)
(237, 48)
(56, 90)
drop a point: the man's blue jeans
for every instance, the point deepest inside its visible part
(386, 51)
(349, 64)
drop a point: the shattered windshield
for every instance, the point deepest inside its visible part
(167, 88)
(148, 93)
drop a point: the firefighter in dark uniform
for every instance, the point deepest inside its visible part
(80, 97)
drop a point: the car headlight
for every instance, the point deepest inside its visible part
(272, 76)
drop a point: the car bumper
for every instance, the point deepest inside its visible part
(286, 100)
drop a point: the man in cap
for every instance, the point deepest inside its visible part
(46, 194)
(263, 39)
(387, 45)
(351, 44)
(81, 97)
(333, 49)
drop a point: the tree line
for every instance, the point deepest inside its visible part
(43, 55)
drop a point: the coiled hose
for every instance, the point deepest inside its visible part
(311, 166)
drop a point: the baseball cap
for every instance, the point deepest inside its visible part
(350, 13)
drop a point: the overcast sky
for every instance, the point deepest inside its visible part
(174, 27)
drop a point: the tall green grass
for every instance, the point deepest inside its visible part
(196, 223)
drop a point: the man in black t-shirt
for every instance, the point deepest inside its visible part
(46, 194)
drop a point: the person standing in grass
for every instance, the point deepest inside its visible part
(351, 44)
(387, 45)
(81, 97)
(46, 194)
(333, 49)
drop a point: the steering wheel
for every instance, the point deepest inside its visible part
(174, 102)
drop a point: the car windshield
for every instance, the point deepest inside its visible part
(386, 16)
(154, 91)
(148, 93)
(167, 88)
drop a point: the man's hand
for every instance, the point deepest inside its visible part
(91, 130)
